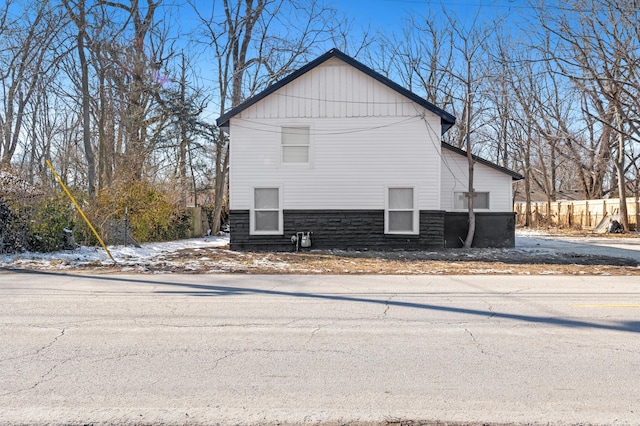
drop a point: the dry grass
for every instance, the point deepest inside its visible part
(516, 261)
(445, 262)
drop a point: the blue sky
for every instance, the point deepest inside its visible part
(388, 14)
(381, 13)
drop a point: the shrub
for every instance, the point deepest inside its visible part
(13, 231)
(153, 215)
(36, 224)
(48, 219)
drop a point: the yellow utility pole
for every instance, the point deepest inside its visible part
(75, 203)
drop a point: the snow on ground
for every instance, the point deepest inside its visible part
(132, 256)
(198, 257)
(612, 245)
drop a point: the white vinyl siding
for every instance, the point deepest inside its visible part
(295, 145)
(266, 212)
(455, 180)
(401, 215)
(364, 137)
(351, 163)
(333, 89)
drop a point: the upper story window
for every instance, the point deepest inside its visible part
(480, 201)
(295, 145)
(401, 215)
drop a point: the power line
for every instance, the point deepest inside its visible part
(346, 101)
(436, 136)
(341, 132)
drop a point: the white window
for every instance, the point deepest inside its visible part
(401, 215)
(266, 214)
(295, 145)
(480, 201)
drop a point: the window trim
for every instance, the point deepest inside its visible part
(455, 196)
(252, 221)
(414, 210)
(308, 145)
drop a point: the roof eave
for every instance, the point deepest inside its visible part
(514, 176)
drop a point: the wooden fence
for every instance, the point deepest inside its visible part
(583, 214)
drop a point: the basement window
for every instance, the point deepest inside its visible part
(266, 212)
(400, 214)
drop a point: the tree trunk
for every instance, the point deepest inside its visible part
(619, 165)
(182, 161)
(86, 106)
(527, 179)
(222, 163)
(468, 242)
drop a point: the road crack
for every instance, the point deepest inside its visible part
(387, 306)
(315, 331)
(55, 339)
(478, 345)
(218, 360)
(38, 351)
(46, 376)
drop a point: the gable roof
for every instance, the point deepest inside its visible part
(447, 120)
(514, 176)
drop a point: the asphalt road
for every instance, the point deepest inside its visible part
(240, 349)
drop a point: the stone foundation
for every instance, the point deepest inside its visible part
(338, 229)
(496, 230)
(364, 230)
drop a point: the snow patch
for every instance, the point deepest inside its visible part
(149, 254)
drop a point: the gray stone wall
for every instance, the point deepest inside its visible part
(338, 229)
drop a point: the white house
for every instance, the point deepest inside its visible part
(336, 155)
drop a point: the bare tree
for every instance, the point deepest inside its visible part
(77, 12)
(184, 133)
(43, 126)
(448, 63)
(526, 107)
(597, 47)
(471, 45)
(138, 71)
(26, 56)
(255, 43)
(419, 58)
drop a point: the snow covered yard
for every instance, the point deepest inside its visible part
(535, 253)
(127, 257)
